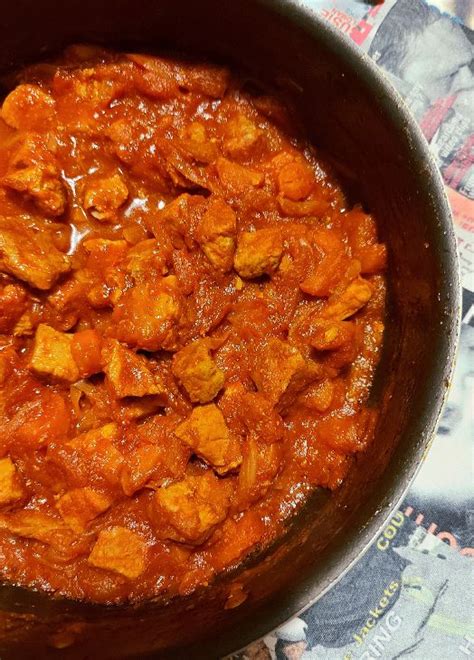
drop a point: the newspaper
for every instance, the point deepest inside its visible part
(426, 48)
(411, 593)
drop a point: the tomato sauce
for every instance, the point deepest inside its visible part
(190, 318)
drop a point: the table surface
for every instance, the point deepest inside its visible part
(411, 593)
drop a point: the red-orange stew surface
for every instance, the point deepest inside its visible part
(190, 314)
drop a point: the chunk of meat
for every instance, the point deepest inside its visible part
(295, 177)
(206, 432)
(30, 254)
(103, 197)
(342, 305)
(28, 106)
(120, 550)
(237, 178)
(90, 458)
(41, 183)
(44, 527)
(216, 234)
(128, 373)
(11, 487)
(52, 355)
(32, 525)
(78, 507)
(281, 372)
(258, 252)
(188, 511)
(242, 137)
(148, 316)
(194, 367)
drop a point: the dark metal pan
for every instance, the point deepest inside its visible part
(351, 112)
